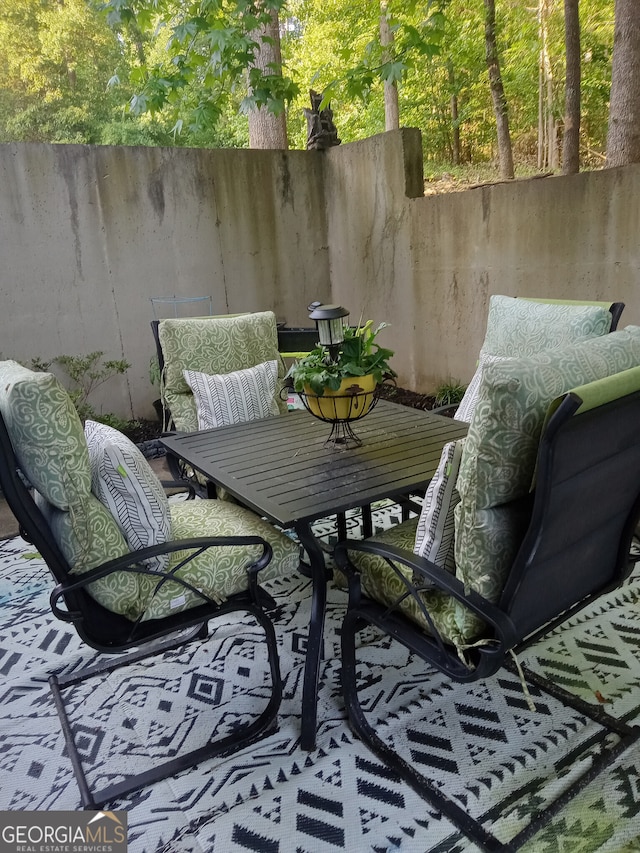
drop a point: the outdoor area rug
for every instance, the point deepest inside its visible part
(480, 742)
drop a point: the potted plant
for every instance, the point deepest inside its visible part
(341, 386)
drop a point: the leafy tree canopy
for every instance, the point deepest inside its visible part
(136, 70)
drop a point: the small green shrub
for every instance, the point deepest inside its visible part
(85, 373)
(449, 393)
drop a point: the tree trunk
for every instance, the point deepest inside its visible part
(391, 103)
(267, 130)
(497, 91)
(571, 142)
(623, 138)
(547, 124)
(455, 125)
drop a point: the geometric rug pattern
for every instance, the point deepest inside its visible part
(480, 742)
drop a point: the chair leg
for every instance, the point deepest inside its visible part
(353, 623)
(262, 726)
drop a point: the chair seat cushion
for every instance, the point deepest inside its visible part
(236, 397)
(452, 621)
(100, 541)
(221, 571)
(124, 482)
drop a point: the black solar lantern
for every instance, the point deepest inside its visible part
(330, 322)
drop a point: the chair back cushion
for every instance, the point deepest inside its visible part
(499, 456)
(125, 484)
(50, 445)
(519, 327)
(233, 398)
(213, 345)
(46, 434)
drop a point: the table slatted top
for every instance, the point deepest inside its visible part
(282, 469)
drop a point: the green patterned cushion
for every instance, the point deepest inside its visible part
(469, 400)
(499, 456)
(46, 434)
(518, 327)
(100, 541)
(380, 583)
(213, 345)
(501, 446)
(220, 572)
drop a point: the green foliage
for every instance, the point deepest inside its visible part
(84, 374)
(55, 61)
(449, 393)
(176, 72)
(359, 355)
(210, 48)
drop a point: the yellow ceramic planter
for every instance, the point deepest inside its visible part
(352, 400)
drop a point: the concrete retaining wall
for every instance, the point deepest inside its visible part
(427, 265)
(89, 234)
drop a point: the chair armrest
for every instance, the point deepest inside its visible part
(134, 562)
(433, 576)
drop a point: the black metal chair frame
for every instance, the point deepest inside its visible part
(111, 633)
(570, 555)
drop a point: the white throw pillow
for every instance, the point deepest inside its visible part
(436, 526)
(232, 398)
(124, 482)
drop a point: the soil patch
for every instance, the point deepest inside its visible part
(407, 398)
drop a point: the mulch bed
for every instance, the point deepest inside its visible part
(407, 398)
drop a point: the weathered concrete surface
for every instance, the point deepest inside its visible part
(428, 265)
(89, 234)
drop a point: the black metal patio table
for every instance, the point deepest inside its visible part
(282, 469)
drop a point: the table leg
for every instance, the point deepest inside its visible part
(316, 630)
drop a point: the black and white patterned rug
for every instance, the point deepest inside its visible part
(479, 741)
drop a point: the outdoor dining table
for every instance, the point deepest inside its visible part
(283, 469)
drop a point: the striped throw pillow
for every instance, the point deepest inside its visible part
(233, 398)
(436, 529)
(124, 482)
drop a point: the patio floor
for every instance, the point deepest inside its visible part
(484, 746)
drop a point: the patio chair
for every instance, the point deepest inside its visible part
(516, 327)
(213, 347)
(131, 569)
(548, 495)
